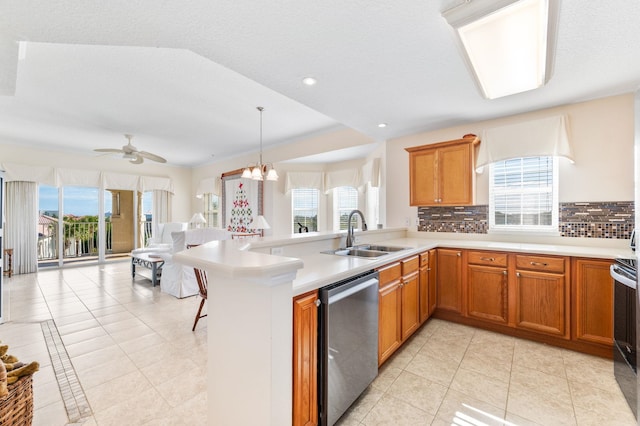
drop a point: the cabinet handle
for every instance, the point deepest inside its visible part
(317, 303)
(458, 254)
(539, 264)
(518, 274)
(489, 259)
(428, 269)
(505, 273)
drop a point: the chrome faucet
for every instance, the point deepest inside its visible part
(350, 238)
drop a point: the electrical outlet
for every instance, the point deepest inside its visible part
(278, 251)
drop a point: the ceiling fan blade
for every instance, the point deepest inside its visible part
(151, 156)
(109, 150)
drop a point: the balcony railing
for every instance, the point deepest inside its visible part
(80, 239)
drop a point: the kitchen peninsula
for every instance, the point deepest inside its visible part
(250, 310)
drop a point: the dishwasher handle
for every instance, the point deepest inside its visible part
(352, 290)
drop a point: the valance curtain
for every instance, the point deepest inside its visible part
(542, 137)
(304, 180)
(371, 173)
(59, 177)
(338, 178)
(212, 185)
(21, 232)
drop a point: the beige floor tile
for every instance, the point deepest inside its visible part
(481, 386)
(541, 385)
(161, 372)
(540, 357)
(457, 405)
(83, 335)
(387, 374)
(392, 411)
(90, 345)
(183, 387)
(448, 348)
(586, 417)
(599, 401)
(77, 326)
(488, 365)
(418, 391)
(50, 415)
(136, 409)
(135, 345)
(540, 407)
(46, 394)
(192, 412)
(152, 354)
(92, 359)
(105, 372)
(113, 392)
(432, 368)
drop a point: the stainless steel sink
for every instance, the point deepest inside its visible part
(356, 252)
(379, 247)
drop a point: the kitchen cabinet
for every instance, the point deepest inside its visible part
(410, 297)
(542, 295)
(442, 174)
(305, 359)
(449, 284)
(592, 290)
(399, 305)
(427, 284)
(487, 286)
(389, 306)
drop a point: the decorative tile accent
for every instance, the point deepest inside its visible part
(609, 219)
(73, 396)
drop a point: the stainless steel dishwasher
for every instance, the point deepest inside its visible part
(348, 343)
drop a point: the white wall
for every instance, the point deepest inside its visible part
(180, 176)
(601, 133)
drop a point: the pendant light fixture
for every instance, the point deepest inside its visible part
(260, 171)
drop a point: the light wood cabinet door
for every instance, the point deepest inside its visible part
(389, 320)
(542, 303)
(592, 289)
(305, 359)
(432, 272)
(487, 293)
(449, 281)
(423, 178)
(410, 305)
(441, 174)
(455, 175)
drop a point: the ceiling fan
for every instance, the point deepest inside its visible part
(131, 153)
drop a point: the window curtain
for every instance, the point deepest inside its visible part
(304, 180)
(536, 138)
(161, 208)
(21, 232)
(338, 178)
(209, 186)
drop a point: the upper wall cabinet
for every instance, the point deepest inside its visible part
(441, 174)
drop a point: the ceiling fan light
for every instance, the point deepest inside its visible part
(246, 173)
(272, 175)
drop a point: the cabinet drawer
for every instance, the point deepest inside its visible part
(487, 258)
(410, 265)
(390, 273)
(424, 259)
(540, 263)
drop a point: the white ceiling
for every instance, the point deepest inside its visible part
(185, 77)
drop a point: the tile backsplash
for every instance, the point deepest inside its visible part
(608, 219)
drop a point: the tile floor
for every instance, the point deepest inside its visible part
(135, 360)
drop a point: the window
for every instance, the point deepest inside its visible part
(211, 209)
(345, 199)
(523, 194)
(304, 209)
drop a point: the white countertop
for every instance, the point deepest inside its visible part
(249, 259)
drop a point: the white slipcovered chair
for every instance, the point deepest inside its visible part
(180, 280)
(161, 241)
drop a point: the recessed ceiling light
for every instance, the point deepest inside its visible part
(309, 81)
(381, 125)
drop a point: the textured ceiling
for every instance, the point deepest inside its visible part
(185, 77)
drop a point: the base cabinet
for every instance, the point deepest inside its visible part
(410, 297)
(487, 293)
(305, 359)
(427, 281)
(542, 295)
(389, 311)
(449, 282)
(592, 291)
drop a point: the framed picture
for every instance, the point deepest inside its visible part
(241, 201)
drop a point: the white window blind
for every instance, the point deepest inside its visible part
(345, 199)
(304, 208)
(523, 194)
(211, 209)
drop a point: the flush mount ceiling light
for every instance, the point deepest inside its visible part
(258, 171)
(382, 125)
(508, 44)
(309, 81)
